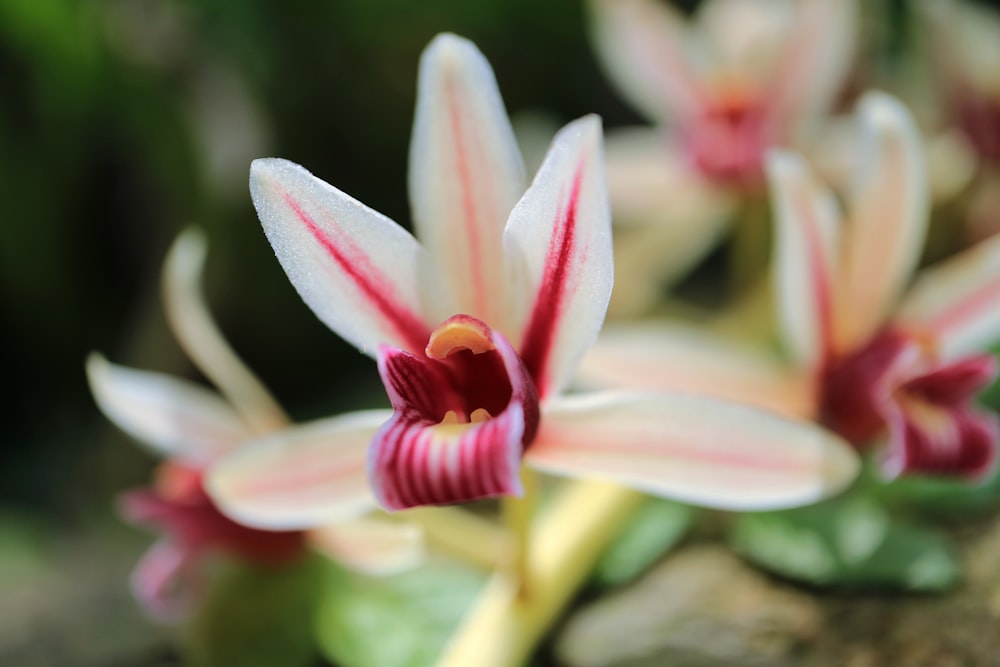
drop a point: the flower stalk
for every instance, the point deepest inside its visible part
(503, 627)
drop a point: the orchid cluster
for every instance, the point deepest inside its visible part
(507, 395)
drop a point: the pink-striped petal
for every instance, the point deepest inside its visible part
(693, 449)
(558, 244)
(644, 45)
(199, 335)
(888, 207)
(371, 546)
(359, 271)
(164, 581)
(671, 357)
(302, 477)
(814, 62)
(463, 416)
(415, 463)
(174, 417)
(805, 256)
(465, 176)
(957, 302)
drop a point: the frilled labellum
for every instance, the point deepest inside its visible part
(464, 412)
(896, 383)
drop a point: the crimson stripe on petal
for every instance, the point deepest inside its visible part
(541, 330)
(355, 264)
(414, 462)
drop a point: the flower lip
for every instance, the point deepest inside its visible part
(898, 384)
(463, 415)
(467, 369)
(727, 141)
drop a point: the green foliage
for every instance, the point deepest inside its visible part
(850, 542)
(398, 621)
(257, 617)
(655, 529)
(943, 497)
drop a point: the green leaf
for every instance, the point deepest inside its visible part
(398, 621)
(655, 529)
(849, 542)
(943, 497)
(257, 617)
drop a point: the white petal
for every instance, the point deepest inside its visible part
(888, 208)
(804, 257)
(174, 417)
(359, 271)
(558, 245)
(817, 55)
(957, 302)
(652, 182)
(666, 217)
(371, 546)
(644, 45)
(671, 357)
(200, 337)
(465, 175)
(303, 477)
(693, 449)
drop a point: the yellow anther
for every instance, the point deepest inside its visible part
(480, 415)
(459, 333)
(450, 417)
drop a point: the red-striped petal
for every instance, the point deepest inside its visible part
(359, 271)
(558, 243)
(464, 412)
(414, 462)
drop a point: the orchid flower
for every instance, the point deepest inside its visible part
(962, 40)
(870, 364)
(193, 427)
(478, 328)
(739, 78)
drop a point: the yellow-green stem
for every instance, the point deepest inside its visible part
(750, 245)
(461, 533)
(517, 514)
(502, 629)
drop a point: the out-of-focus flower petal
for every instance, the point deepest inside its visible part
(957, 301)
(817, 55)
(651, 182)
(359, 271)
(302, 477)
(693, 449)
(465, 176)
(178, 419)
(200, 337)
(804, 258)
(558, 245)
(671, 357)
(666, 216)
(162, 582)
(644, 45)
(963, 40)
(889, 205)
(938, 440)
(745, 38)
(371, 546)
